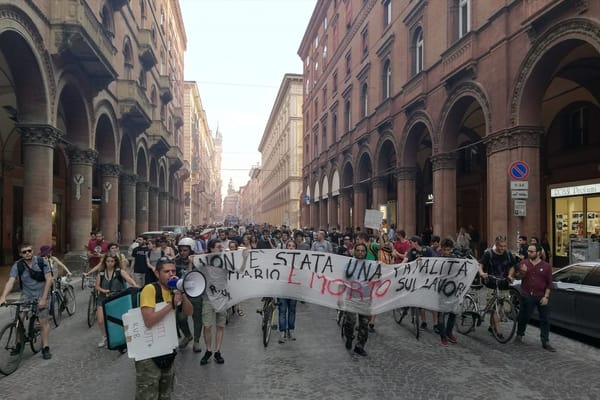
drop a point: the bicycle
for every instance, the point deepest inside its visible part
(90, 282)
(415, 318)
(503, 317)
(13, 335)
(85, 261)
(268, 317)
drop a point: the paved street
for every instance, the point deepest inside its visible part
(317, 365)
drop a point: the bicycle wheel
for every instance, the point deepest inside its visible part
(465, 321)
(69, 297)
(266, 326)
(91, 314)
(55, 308)
(35, 334)
(399, 314)
(503, 324)
(416, 320)
(515, 299)
(12, 340)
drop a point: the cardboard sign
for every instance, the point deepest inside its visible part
(144, 343)
(373, 219)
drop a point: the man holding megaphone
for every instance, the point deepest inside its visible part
(155, 376)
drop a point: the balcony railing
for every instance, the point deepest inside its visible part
(75, 31)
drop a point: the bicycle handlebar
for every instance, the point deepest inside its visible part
(8, 303)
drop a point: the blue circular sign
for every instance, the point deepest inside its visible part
(518, 170)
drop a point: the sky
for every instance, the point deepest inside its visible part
(238, 52)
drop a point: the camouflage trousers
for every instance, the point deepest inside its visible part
(153, 383)
(363, 327)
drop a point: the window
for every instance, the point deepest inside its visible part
(464, 17)
(106, 16)
(593, 279)
(325, 23)
(418, 51)
(142, 79)
(127, 59)
(143, 9)
(153, 101)
(575, 274)
(324, 96)
(348, 65)
(316, 148)
(316, 41)
(365, 42)
(307, 86)
(324, 137)
(324, 54)
(364, 100)
(387, 13)
(335, 82)
(347, 116)
(334, 127)
(387, 79)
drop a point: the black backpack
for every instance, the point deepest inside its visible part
(35, 275)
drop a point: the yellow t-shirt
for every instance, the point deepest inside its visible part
(148, 296)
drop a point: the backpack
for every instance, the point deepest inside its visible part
(35, 275)
(115, 307)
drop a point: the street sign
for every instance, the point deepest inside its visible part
(519, 185)
(518, 170)
(520, 208)
(519, 194)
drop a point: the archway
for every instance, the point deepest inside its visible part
(385, 185)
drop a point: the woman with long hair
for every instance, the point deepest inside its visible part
(110, 279)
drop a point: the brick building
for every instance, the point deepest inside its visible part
(419, 108)
(91, 120)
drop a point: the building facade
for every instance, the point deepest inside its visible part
(281, 155)
(91, 120)
(202, 190)
(251, 199)
(231, 203)
(421, 108)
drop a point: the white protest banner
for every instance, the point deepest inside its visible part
(144, 343)
(373, 219)
(335, 281)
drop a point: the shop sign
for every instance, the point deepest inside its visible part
(575, 190)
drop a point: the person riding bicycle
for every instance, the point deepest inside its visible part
(497, 268)
(36, 280)
(46, 252)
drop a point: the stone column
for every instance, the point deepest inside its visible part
(80, 215)
(521, 143)
(360, 205)
(163, 208)
(127, 199)
(109, 211)
(379, 192)
(443, 167)
(141, 206)
(407, 211)
(38, 152)
(172, 206)
(324, 214)
(345, 208)
(333, 211)
(153, 209)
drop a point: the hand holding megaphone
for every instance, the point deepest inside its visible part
(193, 284)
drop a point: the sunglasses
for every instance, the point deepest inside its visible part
(26, 251)
(164, 260)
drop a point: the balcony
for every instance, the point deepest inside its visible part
(166, 91)
(77, 35)
(175, 157)
(117, 4)
(178, 117)
(134, 108)
(146, 46)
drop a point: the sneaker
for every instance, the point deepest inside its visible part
(548, 347)
(452, 339)
(290, 335)
(46, 353)
(102, 342)
(197, 348)
(183, 342)
(360, 351)
(218, 358)
(444, 342)
(206, 357)
(518, 340)
(282, 337)
(348, 342)
(423, 325)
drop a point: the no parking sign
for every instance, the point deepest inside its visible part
(518, 170)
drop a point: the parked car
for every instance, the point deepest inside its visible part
(575, 298)
(178, 229)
